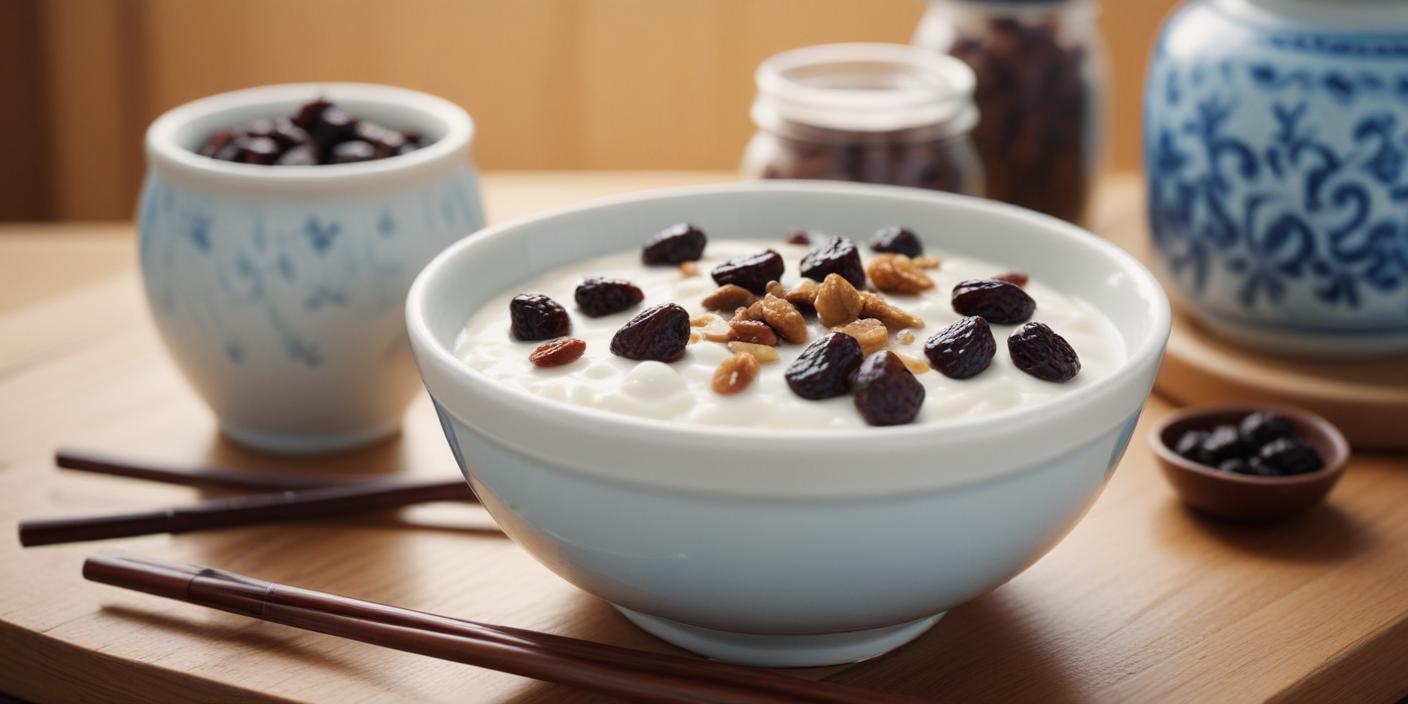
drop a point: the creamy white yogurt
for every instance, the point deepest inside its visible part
(681, 392)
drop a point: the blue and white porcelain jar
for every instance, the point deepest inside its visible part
(279, 289)
(1276, 153)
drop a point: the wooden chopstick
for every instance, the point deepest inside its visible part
(603, 668)
(245, 510)
(214, 477)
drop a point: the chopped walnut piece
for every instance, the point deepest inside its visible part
(869, 332)
(776, 289)
(735, 374)
(873, 305)
(906, 337)
(711, 327)
(837, 301)
(896, 273)
(927, 262)
(754, 331)
(689, 268)
(728, 297)
(694, 338)
(803, 294)
(555, 353)
(915, 365)
(752, 312)
(764, 354)
(785, 319)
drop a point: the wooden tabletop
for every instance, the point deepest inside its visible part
(1143, 601)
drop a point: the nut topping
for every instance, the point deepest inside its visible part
(873, 305)
(803, 295)
(728, 297)
(784, 318)
(869, 332)
(763, 353)
(754, 331)
(896, 273)
(837, 301)
(735, 374)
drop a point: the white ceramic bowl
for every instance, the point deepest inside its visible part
(775, 547)
(279, 289)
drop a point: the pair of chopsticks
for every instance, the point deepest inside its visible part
(613, 670)
(286, 497)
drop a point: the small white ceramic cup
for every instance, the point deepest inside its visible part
(279, 289)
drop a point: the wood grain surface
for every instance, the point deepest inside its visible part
(1142, 602)
(552, 84)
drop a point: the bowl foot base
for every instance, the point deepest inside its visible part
(309, 444)
(814, 650)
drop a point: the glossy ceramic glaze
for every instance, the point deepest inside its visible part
(785, 547)
(1276, 148)
(279, 290)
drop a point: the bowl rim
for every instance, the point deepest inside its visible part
(164, 153)
(1325, 429)
(1145, 354)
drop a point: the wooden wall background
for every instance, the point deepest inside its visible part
(552, 84)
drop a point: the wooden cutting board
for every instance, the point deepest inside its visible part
(1367, 399)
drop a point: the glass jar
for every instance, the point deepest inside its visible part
(1041, 79)
(875, 113)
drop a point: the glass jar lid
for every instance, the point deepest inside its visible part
(866, 88)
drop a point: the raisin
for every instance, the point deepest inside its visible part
(885, 391)
(1290, 456)
(963, 349)
(1190, 446)
(824, 367)
(658, 333)
(997, 301)
(1016, 278)
(256, 150)
(1225, 443)
(1037, 350)
(897, 240)
(799, 237)
(352, 151)
(675, 244)
(534, 316)
(597, 296)
(838, 256)
(751, 271)
(555, 353)
(1262, 427)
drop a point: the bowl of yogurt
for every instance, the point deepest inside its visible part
(959, 381)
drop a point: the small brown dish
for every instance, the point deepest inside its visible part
(1244, 497)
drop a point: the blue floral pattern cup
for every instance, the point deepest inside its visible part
(279, 290)
(1276, 153)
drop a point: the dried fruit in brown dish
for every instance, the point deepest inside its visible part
(658, 333)
(533, 316)
(837, 301)
(751, 271)
(897, 240)
(824, 367)
(999, 302)
(1037, 350)
(885, 391)
(729, 297)
(597, 296)
(784, 318)
(555, 353)
(837, 256)
(674, 245)
(963, 349)
(896, 273)
(735, 374)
